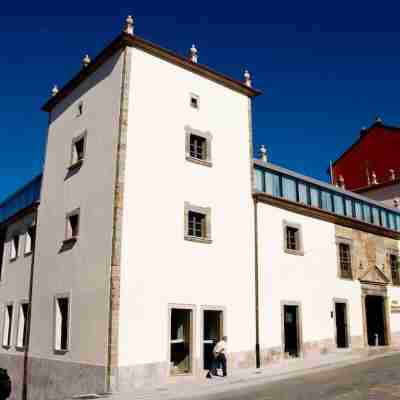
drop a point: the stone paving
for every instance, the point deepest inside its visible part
(250, 380)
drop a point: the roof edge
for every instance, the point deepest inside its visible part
(123, 40)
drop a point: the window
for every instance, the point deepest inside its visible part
(272, 185)
(345, 260)
(349, 208)
(72, 225)
(384, 219)
(375, 216)
(29, 240)
(292, 238)
(61, 324)
(358, 210)
(367, 213)
(314, 192)
(303, 193)
(14, 247)
(78, 149)
(197, 223)
(79, 109)
(289, 189)
(326, 201)
(259, 176)
(394, 268)
(22, 325)
(7, 327)
(194, 101)
(198, 146)
(2, 253)
(338, 204)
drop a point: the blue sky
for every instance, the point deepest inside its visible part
(326, 68)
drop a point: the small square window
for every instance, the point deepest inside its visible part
(7, 327)
(14, 247)
(293, 242)
(198, 147)
(197, 223)
(22, 325)
(61, 324)
(72, 228)
(78, 149)
(194, 101)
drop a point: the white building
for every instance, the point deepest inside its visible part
(156, 234)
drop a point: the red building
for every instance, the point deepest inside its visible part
(372, 160)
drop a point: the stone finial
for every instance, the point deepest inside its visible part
(392, 174)
(396, 203)
(86, 61)
(341, 182)
(247, 78)
(193, 54)
(378, 120)
(263, 153)
(374, 180)
(129, 25)
(54, 91)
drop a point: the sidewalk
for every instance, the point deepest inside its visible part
(190, 387)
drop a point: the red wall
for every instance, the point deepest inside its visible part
(378, 150)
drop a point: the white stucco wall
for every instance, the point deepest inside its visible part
(310, 279)
(82, 271)
(14, 284)
(159, 267)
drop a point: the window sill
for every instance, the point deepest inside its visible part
(346, 278)
(294, 252)
(75, 165)
(6, 347)
(13, 259)
(70, 240)
(20, 348)
(60, 352)
(198, 239)
(194, 160)
(29, 253)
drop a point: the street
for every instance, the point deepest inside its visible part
(376, 379)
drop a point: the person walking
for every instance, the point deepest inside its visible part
(220, 353)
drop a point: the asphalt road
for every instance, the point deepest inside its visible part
(377, 379)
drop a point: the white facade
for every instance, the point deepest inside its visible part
(134, 198)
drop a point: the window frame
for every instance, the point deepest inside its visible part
(193, 96)
(31, 233)
(300, 247)
(74, 163)
(10, 319)
(206, 211)
(349, 242)
(56, 298)
(13, 246)
(207, 161)
(18, 346)
(393, 253)
(69, 237)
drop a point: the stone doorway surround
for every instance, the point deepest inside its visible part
(374, 283)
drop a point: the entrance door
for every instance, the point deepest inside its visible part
(375, 313)
(341, 325)
(181, 341)
(212, 333)
(291, 330)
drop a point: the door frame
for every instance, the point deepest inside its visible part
(348, 330)
(209, 308)
(299, 324)
(192, 358)
(380, 291)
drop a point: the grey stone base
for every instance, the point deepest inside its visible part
(51, 379)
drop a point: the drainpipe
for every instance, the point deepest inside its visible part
(257, 302)
(29, 316)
